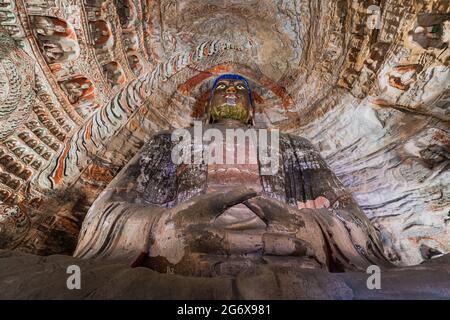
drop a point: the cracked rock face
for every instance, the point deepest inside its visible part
(367, 82)
(27, 276)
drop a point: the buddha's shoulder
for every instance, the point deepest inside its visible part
(174, 132)
(162, 135)
(296, 141)
(169, 137)
(161, 140)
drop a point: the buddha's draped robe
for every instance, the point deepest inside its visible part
(119, 222)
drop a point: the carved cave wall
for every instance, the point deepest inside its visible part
(83, 83)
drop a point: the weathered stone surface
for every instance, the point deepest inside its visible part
(366, 81)
(169, 215)
(26, 276)
(397, 167)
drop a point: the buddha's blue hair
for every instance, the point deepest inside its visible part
(232, 76)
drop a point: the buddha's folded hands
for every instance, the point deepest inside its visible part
(235, 229)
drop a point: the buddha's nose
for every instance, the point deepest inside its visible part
(231, 89)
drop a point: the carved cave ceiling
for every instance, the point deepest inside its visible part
(83, 83)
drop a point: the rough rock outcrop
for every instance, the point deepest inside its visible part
(25, 276)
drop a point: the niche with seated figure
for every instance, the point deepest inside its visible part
(101, 34)
(432, 31)
(114, 74)
(9, 20)
(78, 89)
(56, 39)
(135, 63)
(126, 11)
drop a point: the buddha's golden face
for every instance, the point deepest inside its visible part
(230, 100)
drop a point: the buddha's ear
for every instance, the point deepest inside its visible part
(251, 119)
(251, 115)
(207, 114)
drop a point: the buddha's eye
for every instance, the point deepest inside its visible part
(221, 86)
(240, 87)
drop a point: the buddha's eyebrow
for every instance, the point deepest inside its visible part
(240, 83)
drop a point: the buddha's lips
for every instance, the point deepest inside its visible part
(231, 99)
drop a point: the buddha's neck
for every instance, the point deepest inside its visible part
(231, 173)
(231, 123)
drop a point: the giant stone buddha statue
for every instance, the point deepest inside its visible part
(177, 207)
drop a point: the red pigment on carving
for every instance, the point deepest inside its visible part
(318, 203)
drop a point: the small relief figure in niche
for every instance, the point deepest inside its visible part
(101, 34)
(56, 38)
(114, 74)
(78, 89)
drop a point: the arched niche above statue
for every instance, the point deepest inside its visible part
(273, 104)
(101, 34)
(56, 38)
(130, 40)
(17, 82)
(126, 10)
(114, 74)
(78, 89)
(135, 63)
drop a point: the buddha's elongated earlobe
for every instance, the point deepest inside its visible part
(207, 118)
(251, 114)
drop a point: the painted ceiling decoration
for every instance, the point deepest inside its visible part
(84, 83)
